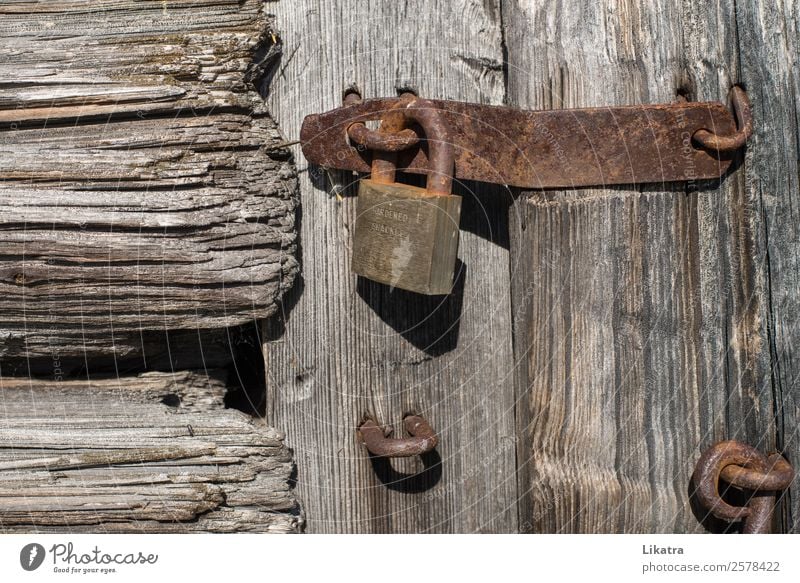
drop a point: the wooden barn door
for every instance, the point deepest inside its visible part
(346, 347)
(654, 320)
(598, 339)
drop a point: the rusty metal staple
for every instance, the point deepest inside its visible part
(423, 439)
(745, 468)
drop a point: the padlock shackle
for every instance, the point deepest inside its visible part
(384, 163)
(440, 146)
(410, 108)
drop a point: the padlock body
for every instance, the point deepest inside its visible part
(406, 237)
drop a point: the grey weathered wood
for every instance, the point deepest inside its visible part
(769, 42)
(642, 318)
(647, 323)
(140, 187)
(196, 390)
(348, 347)
(107, 456)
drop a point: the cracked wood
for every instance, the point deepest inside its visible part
(107, 455)
(139, 185)
(653, 322)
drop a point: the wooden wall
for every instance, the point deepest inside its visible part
(598, 339)
(147, 220)
(596, 342)
(345, 348)
(152, 453)
(140, 184)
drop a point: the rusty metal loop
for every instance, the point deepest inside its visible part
(391, 136)
(383, 141)
(441, 155)
(423, 439)
(409, 108)
(741, 466)
(779, 475)
(744, 122)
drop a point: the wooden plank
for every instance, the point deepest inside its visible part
(138, 185)
(348, 347)
(107, 455)
(196, 390)
(769, 42)
(640, 314)
(165, 350)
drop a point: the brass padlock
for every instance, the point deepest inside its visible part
(407, 236)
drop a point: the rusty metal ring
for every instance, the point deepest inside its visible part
(391, 136)
(441, 156)
(743, 467)
(382, 141)
(779, 475)
(744, 121)
(423, 439)
(707, 474)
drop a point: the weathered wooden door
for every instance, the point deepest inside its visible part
(598, 339)
(351, 347)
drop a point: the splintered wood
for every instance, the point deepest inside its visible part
(109, 456)
(140, 183)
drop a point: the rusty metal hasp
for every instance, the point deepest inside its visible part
(407, 237)
(681, 141)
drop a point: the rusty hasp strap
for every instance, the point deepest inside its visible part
(745, 468)
(680, 141)
(422, 440)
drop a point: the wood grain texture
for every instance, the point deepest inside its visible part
(108, 456)
(139, 185)
(347, 347)
(195, 390)
(769, 42)
(642, 315)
